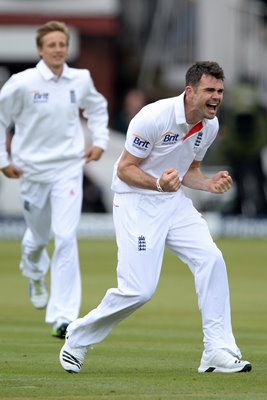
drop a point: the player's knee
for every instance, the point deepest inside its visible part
(213, 254)
(145, 295)
(33, 254)
(216, 254)
(65, 241)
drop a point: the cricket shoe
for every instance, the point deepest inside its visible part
(221, 360)
(59, 329)
(38, 293)
(71, 359)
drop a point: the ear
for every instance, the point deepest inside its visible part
(39, 49)
(188, 90)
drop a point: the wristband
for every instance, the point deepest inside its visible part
(159, 188)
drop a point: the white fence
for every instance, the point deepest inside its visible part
(100, 226)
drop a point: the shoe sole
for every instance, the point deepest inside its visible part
(39, 307)
(36, 305)
(246, 368)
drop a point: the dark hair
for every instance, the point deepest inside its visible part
(51, 26)
(199, 68)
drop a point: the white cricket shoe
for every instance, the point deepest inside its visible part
(221, 360)
(38, 293)
(71, 359)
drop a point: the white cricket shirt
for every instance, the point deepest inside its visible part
(160, 135)
(49, 141)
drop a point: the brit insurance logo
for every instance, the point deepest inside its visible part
(169, 138)
(140, 143)
(40, 97)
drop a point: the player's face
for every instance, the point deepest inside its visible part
(54, 50)
(204, 100)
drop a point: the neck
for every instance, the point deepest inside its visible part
(191, 114)
(192, 119)
(57, 71)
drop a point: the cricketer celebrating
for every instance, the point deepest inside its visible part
(166, 142)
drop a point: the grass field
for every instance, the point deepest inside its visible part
(154, 354)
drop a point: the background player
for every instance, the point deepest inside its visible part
(47, 151)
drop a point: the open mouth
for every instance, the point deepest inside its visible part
(212, 107)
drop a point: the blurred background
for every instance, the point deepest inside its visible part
(137, 52)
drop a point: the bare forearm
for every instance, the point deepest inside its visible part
(130, 171)
(219, 183)
(135, 176)
(194, 179)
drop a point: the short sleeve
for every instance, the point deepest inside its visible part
(141, 135)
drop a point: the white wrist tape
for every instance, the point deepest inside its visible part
(159, 188)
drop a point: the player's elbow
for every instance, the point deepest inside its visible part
(122, 172)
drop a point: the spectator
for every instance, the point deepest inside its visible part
(134, 100)
(244, 136)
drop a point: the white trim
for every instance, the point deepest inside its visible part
(66, 7)
(100, 226)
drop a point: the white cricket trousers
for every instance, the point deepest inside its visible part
(53, 208)
(144, 225)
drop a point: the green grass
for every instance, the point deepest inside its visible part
(152, 355)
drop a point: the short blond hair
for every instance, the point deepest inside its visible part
(51, 26)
